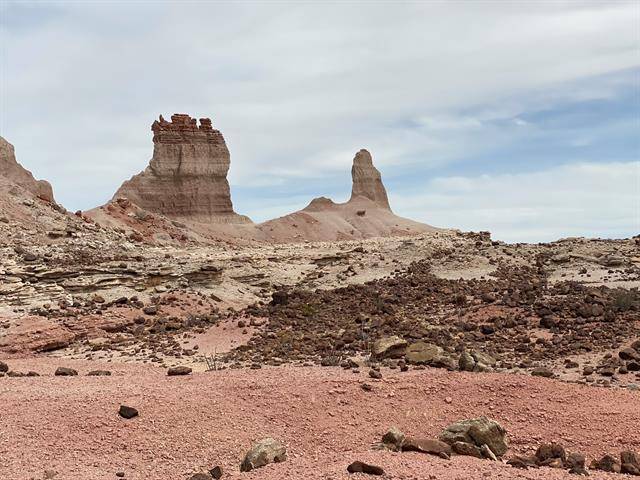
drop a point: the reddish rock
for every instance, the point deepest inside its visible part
(426, 445)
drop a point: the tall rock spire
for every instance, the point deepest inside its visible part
(367, 181)
(187, 177)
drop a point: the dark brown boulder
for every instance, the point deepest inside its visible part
(361, 467)
(127, 412)
(65, 372)
(178, 371)
(608, 463)
(426, 445)
(547, 452)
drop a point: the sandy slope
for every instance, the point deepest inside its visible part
(70, 424)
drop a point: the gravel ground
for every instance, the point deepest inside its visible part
(70, 425)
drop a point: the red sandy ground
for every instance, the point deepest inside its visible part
(70, 424)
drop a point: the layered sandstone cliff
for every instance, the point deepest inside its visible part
(16, 174)
(367, 181)
(187, 176)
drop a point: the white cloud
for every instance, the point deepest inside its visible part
(587, 199)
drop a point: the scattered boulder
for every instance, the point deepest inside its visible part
(264, 452)
(393, 439)
(4, 367)
(475, 362)
(361, 467)
(542, 372)
(487, 453)
(127, 412)
(65, 372)
(99, 373)
(575, 462)
(426, 445)
(478, 431)
(629, 354)
(201, 476)
(422, 353)
(177, 371)
(630, 463)
(216, 472)
(468, 449)
(547, 453)
(389, 347)
(522, 461)
(150, 309)
(279, 297)
(608, 463)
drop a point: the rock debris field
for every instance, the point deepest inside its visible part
(164, 336)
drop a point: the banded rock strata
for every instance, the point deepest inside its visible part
(187, 176)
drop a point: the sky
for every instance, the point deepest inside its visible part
(517, 117)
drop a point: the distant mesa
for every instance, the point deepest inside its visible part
(187, 176)
(15, 173)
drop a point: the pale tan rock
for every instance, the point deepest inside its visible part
(187, 176)
(17, 174)
(367, 181)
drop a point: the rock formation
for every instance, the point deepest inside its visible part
(17, 174)
(187, 177)
(367, 181)
(367, 214)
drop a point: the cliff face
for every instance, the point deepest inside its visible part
(15, 173)
(367, 181)
(187, 177)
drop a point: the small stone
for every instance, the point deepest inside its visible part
(575, 461)
(65, 372)
(478, 431)
(426, 445)
(542, 372)
(4, 367)
(99, 373)
(389, 347)
(549, 451)
(127, 412)
(201, 476)
(608, 463)
(468, 449)
(488, 453)
(361, 467)
(177, 371)
(393, 438)
(150, 309)
(262, 453)
(216, 472)
(520, 461)
(630, 461)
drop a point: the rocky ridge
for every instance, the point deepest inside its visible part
(15, 173)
